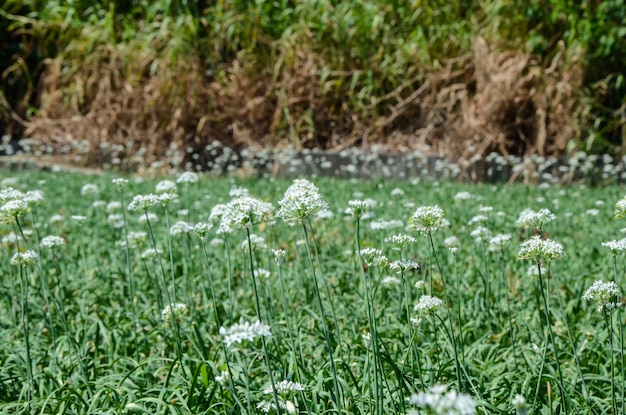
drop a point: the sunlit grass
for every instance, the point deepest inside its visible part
(221, 297)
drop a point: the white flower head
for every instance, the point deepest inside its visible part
(174, 311)
(357, 208)
(620, 208)
(606, 294)
(400, 241)
(51, 241)
(202, 229)
(244, 331)
(616, 246)
(244, 212)
(440, 401)
(403, 264)
(10, 193)
(535, 219)
(284, 388)
(187, 177)
(498, 242)
(480, 234)
(539, 250)
(302, 200)
(373, 257)
(13, 210)
(427, 218)
(279, 256)
(89, 189)
(141, 203)
(120, 182)
(24, 258)
(166, 186)
(428, 304)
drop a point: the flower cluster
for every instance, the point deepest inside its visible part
(402, 265)
(302, 200)
(620, 208)
(13, 210)
(606, 294)
(187, 177)
(141, 203)
(244, 212)
(174, 311)
(51, 241)
(373, 257)
(498, 242)
(427, 218)
(440, 401)
(166, 186)
(24, 258)
(400, 241)
(428, 304)
(357, 208)
(539, 249)
(244, 331)
(616, 246)
(535, 219)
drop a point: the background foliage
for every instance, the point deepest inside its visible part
(454, 77)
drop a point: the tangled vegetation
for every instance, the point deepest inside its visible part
(458, 77)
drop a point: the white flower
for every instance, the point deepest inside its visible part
(187, 177)
(222, 377)
(176, 311)
(14, 209)
(89, 189)
(24, 258)
(244, 212)
(386, 224)
(180, 228)
(51, 241)
(301, 201)
(539, 249)
(428, 304)
(427, 218)
(616, 247)
(400, 241)
(498, 242)
(141, 203)
(451, 242)
(531, 219)
(119, 182)
(480, 234)
(202, 229)
(236, 192)
(463, 196)
(150, 253)
(390, 280)
(404, 265)
(244, 331)
(478, 219)
(606, 294)
(279, 256)
(439, 401)
(373, 256)
(357, 208)
(284, 387)
(166, 186)
(620, 208)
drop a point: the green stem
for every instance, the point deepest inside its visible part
(552, 340)
(258, 314)
(338, 392)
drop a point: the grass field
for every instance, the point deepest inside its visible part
(222, 296)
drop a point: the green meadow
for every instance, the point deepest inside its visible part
(205, 295)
